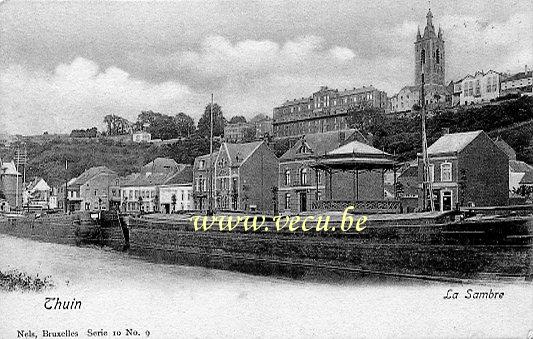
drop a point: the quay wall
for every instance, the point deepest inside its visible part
(76, 229)
(422, 248)
(449, 250)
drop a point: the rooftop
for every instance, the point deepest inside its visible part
(238, 152)
(89, 174)
(321, 143)
(453, 142)
(356, 147)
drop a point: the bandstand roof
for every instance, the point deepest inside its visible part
(355, 155)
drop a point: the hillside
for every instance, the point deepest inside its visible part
(47, 159)
(511, 120)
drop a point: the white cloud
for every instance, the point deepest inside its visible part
(78, 95)
(218, 57)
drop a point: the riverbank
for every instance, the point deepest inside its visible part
(118, 291)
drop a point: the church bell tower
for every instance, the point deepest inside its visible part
(429, 55)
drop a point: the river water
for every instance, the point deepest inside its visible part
(119, 292)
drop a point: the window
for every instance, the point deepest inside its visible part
(318, 176)
(287, 177)
(437, 56)
(287, 201)
(477, 87)
(303, 176)
(446, 171)
(201, 164)
(423, 57)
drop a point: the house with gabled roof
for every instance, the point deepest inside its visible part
(176, 193)
(468, 169)
(37, 193)
(90, 190)
(245, 177)
(299, 184)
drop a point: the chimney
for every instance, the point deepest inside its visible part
(445, 130)
(525, 69)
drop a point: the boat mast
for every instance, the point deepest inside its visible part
(210, 211)
(427, 187)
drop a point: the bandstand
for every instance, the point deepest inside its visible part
(356, 158)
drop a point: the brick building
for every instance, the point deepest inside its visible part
(201, 181)
(300, 184)
(297, 181)
(466, 169)
(326, 110)
(245, 175)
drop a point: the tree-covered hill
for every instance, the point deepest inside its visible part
(512, 120)
(47, 159)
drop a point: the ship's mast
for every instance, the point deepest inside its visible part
(427, 186)
(210, 210)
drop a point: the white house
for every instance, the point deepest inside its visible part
(176, 194)
(480, 87)
(141, 136)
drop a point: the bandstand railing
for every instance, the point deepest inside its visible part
(362, 206)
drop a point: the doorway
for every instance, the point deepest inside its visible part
(446, 200)
(303, 202)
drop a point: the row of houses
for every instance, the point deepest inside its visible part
(320, 171)
(160, 186)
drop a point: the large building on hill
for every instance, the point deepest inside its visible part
(325, 110)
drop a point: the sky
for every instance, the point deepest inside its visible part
(66, 64)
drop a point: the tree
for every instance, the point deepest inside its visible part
(117, 125)
(160, 126)
(238, 119)
(249, 134)
(219, 122)
(184, 124)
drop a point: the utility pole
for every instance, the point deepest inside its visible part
(210, 209)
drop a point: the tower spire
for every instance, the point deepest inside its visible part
(429, 18)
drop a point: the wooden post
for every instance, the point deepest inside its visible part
(353, 187)
(395, 191)
(316, 181)
(357, 177)
(382, 184)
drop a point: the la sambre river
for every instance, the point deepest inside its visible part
(119, 292)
